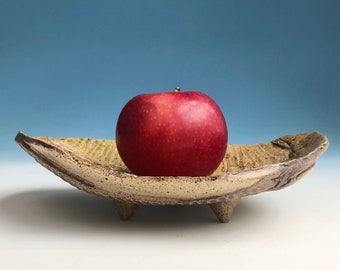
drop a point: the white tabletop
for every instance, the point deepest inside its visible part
(47, 224)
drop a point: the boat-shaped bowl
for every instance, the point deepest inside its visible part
(94, 166)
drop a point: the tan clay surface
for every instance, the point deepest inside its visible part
(94, 166)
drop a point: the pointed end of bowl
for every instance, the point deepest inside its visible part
(21, 138)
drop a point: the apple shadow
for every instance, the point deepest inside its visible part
(70, 210)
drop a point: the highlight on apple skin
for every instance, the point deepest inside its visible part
(172, 134)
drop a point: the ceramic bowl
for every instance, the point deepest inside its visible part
(94, 166)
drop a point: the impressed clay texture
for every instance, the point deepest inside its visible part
(94, 166)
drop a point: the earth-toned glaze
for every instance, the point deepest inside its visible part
(94, 166)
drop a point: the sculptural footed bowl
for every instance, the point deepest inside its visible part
(94, 166)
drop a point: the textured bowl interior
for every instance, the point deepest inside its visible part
(237, 158)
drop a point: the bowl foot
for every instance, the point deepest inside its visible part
(224, 210)
(125, 209)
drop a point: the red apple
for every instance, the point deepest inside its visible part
(172, 134)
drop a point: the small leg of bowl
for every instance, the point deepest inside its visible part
(125, 209)
(224, 210)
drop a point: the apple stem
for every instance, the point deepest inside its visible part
(177, 89)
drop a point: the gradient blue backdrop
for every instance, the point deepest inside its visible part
(68, 67)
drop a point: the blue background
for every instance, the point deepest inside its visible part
(68, 67)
